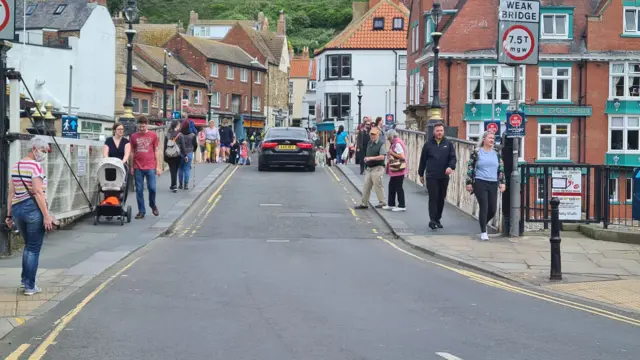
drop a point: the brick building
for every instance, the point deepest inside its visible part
(271, 49)
(235, 78)
(582, 100)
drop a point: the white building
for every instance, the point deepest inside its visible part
(68, 49)
(213, 29)
(372, 49)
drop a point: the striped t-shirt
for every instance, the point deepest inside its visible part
(29, 169)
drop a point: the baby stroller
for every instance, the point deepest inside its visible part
(112, 191)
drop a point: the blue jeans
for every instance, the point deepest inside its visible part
(140, 175)
(243, 161)
(339, 150)
(30, 222)
(184, 170)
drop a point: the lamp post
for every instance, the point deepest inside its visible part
(359, 85)
(210, 96)
(131, 15)
(435, 115)
(164, 84)
(253, 62)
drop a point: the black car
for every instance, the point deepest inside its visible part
(287, 146)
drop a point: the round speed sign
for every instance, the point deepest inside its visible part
(5, 14)
(493, 127)
(518, 42)
(515, 120)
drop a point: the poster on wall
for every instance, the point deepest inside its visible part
(567, 186)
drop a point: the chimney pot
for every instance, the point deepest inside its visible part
(98, 2)
(282, 25)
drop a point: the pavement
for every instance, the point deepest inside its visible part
(73, 256)
(291, 273)
(602, 271)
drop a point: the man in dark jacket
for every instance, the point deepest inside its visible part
(438, 159)
(226, 137)
(362, 142)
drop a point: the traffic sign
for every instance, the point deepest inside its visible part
(518, 32)
(493, 126)
(69, 126)
(389, 119)
(515, 124)
(7, 20)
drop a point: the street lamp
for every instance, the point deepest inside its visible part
(164, 83)
(359, 85)
(210, 96)
(436, 115)
(131, 15)
(251, 65)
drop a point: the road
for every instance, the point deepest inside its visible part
(276, 266)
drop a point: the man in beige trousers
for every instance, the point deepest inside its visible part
(376, 152)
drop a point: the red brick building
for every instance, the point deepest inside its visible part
(582, 100)
(236, 82)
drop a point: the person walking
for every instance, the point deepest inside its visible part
(332, 149)
(188, 144)
(212, 141)
(146, 165)
(173, 153)
(362, 142)
(396, 169)
(226, 137)
(485, 175)
(438, 160)
(380, 125)
(28, 209)
(202, 145)
(341, 144)
(119, 147)
(374, 159)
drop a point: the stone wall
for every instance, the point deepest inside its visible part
(278, 88)
(457, 194)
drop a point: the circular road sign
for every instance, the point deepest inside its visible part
(518, 42)
(515, 120)
(493, 127)
(5, 14)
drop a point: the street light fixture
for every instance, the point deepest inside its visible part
(131, 15)
(210, 96)
(359, 85)
(436, 115)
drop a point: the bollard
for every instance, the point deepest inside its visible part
(554, 239)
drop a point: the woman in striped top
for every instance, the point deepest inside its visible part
(28, 208)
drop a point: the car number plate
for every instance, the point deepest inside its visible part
(286, 147)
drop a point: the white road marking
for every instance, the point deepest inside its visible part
(278, 241)
(448, 356)
(270, 204)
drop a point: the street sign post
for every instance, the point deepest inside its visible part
(389, 119)
(7, 20)
(494, 126)
(515, 124)
(518, 32)
(70, 126)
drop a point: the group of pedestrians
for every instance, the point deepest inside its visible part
(484, 174)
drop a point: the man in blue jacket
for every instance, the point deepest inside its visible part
(438, 159)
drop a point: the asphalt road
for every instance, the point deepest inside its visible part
(280, 269)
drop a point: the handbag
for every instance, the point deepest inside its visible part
(397, 165)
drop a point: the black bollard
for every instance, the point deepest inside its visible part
(556, 265)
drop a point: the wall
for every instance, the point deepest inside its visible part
(604, 32)
(299, 90)
(277, 97)
(376, 70)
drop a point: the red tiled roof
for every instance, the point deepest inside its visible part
(360, 34)
(314, 65)
(299, 68)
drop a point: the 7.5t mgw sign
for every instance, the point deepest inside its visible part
(518, 32)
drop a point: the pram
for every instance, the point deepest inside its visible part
(112, 191)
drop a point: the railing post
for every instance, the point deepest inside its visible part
(556, 264)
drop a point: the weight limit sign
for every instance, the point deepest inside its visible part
(518, 43)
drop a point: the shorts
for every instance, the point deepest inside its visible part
(225, 145)
(203, 147)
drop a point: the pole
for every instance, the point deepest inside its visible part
(70, 86)
(251, 95)
(514, 224)
(493, 95)
(556, 263)
(164, 86)
(4, 149)
(359, 108)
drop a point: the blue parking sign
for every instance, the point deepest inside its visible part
(70, 126)
(175, 115)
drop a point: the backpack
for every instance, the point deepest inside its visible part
(173, 150)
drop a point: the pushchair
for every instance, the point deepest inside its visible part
(112, 191)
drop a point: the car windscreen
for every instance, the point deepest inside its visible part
(299, 134)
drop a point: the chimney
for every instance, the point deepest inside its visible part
(359, 9)
(305, 52)
(143, 20)
(193, 17)
(373, 3)
(98, 2)
(282, 25)
(260, 21)
(265, 25)
(291, 53)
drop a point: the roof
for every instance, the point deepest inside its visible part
(314, 72)
(138, 83)
(300, 67)
(223, 22)
(216, 50)
(72, 18)
(274, 42)
(360, 34)
(155, 34)
(146, 71)
(175, 67)
(259, 41)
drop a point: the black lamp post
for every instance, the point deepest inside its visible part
(164, 84)
(253, 62)
(436, 115)
(127, 119)
(359, 85)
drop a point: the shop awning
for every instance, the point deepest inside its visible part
(199, 122)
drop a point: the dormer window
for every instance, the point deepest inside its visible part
(378, 23)
(59, 9)
(555, 26)
(30, 9)
(398, 23)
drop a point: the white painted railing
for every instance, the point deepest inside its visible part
(457, 194)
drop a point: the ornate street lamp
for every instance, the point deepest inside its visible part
(359, 85)
(210, 96)
(131, 15)
(436, 115)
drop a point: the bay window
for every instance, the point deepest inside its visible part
(481, 87)
(632, 20)
(338, 105)
(554, 141)
(625, 80)
(624, 133)
(555, 84)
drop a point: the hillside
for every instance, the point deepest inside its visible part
(310, 23)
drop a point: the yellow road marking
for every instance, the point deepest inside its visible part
(41, 350)
(334, 174)
(374, 231)
(19, 351)
(222, 185)
(19, 320)
(203, 218)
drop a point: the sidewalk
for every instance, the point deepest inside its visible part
(588, 266)
(72, 256)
